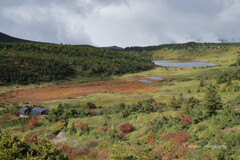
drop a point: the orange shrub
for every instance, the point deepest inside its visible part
(94, 112)
(103, 128)
(32, 123)
(181, 138)
(168, 136)
(186, 120)
(151, 141)
(81, 126)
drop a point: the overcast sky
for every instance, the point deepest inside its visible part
(121, 22)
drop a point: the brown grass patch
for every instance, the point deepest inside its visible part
(73, 91)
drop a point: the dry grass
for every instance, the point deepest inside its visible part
(73, 91)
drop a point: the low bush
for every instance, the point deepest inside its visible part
(186, 120)
(126, 128)
(63, 112)
(82, 127)
(144, 106)
(103, 128)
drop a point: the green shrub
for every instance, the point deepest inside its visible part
(11, 148)
(64, 112)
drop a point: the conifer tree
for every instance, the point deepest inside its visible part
(213, 101)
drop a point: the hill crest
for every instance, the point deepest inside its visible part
(6, 38)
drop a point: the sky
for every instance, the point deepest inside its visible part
(121, 22)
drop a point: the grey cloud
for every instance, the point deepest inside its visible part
(121, 22)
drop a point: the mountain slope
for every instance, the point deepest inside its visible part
(6, 38)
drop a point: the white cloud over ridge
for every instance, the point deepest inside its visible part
(121, 22)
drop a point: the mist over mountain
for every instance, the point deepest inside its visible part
(123, 22)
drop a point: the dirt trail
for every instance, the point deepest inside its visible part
(77, 90)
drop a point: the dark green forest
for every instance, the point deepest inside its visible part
(26, 63)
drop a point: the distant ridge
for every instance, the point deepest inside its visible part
(113, 48)
(6, 38)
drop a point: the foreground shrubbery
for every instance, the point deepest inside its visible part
(11, 148)
(147, 129)
(205, 124)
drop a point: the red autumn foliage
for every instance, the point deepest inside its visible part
(126, 128)
(151, 141)
(81, 126)
(181, 138)
(168, 136)
(103, 128)
(94, 112)
(186, 120)
(32, 123)
(32, 139)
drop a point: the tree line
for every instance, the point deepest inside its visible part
(26, 63)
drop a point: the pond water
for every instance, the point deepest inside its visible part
(146, 81)
(181, 64)
(156, 78)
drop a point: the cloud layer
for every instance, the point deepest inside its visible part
(121, 22)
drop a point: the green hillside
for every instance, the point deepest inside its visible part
(26, 63)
